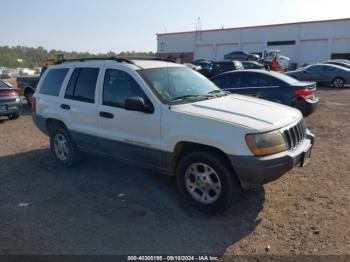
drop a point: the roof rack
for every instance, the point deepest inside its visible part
(117, 59)
(151, 58)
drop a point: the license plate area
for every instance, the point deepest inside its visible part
(305, 158)
(3, 108)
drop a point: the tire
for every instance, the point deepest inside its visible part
(338, 82)
(63, 147)
(191, 176)
(28, 96)
(13, 116)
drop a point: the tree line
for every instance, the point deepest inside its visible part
(21, 56)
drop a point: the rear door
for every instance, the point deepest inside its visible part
(78, 106)
(254, 84)
(129, 135)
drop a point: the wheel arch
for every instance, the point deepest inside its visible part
(52, 123)
(182, 148)
(28, 89)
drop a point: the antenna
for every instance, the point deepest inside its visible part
(198, 28)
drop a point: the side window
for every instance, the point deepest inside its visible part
(315, 68)
(82, 85)
(118, 86)
(222, 81)
(328, 68)
(53, 82)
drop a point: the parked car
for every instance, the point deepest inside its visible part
(338, 63)
(241, 56)
(27, 86)
(271, 86)
(193, 67)
(206, 67)
(166, 117)
(325, 74)
(225, 66)
(252, 65)
(10, 101)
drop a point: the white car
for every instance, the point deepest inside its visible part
(169, 118)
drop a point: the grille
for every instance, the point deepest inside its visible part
(295, 134)
(3, 101)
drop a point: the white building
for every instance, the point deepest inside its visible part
(304, 42)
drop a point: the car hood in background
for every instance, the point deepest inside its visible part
(254, 113)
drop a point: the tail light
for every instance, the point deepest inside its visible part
(33, 105)
(303, 92)
(8, 92)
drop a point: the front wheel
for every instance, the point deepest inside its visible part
(63, 147)
(207, 182)
(338, 82)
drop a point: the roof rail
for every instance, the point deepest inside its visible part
(117, 59)
(149, 58)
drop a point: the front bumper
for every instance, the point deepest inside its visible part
(254, 171)
(10, 106)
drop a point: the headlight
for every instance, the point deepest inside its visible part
(266, 143)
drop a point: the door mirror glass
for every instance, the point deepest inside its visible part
(138, 104)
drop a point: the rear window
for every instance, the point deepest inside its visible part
(3, 85)
(53, 82)
(82, 85)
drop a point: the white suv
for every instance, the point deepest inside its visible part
(166, 117)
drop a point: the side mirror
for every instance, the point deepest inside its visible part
(137, 103)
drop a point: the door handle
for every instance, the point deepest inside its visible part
(64, 106)
(106, 115)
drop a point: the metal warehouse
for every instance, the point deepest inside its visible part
(304, 42)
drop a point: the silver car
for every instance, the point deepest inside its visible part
(325, 74)
(10, 101)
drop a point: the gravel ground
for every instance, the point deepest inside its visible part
(81, 211)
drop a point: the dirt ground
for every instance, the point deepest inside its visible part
(81, 211)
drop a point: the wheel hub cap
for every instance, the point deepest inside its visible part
(203, 183)
(61, 147)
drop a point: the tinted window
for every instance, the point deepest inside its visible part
(224, 66)
(315, 68)
(3, 85)
(257, 80)
(223, 81)
(118, 86)
(82, 85)
(329, 68)
(53, 82)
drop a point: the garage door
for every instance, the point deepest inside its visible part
(204, 52)
(341, 45)
(253, 47)
(313, 51)
(224, 49)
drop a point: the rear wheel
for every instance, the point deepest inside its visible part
(29, 95)
(338, 82)
(13, 116)
(63, 147)
(207, 182)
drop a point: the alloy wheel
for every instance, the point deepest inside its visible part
(202, 183)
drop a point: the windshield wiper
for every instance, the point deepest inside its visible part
(188, 96)
(219, 91)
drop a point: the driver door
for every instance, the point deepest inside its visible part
(129, 135)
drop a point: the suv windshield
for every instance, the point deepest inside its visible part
(176, 84)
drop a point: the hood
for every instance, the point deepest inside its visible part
(257, 114)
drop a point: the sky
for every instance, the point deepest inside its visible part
(99, 26)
